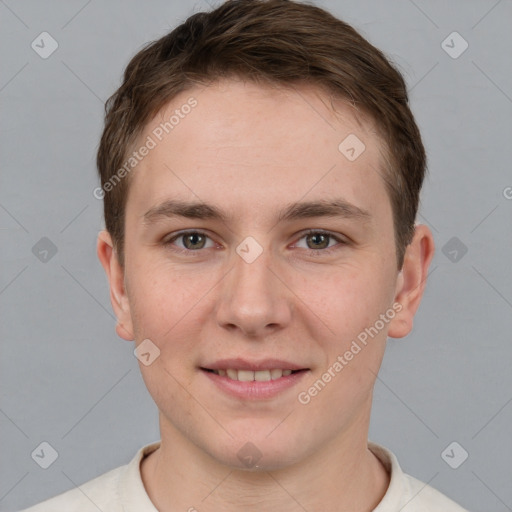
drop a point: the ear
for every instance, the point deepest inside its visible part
(411, 281)
(115, 274)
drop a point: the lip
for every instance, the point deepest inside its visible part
(243, 364)
(255, 390)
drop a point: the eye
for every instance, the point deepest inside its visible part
(193, 241)
(190, 241)
(316, 240)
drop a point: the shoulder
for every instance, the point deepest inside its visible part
(119, 490)
(406, 493)
(99, 493)
(424, 498)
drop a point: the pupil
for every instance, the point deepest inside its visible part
(193, 239)
(322, 239)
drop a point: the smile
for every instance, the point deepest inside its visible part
(257, 384)
(248, 375)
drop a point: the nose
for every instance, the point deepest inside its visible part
(253, 298)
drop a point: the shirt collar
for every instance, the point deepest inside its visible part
(134, 497)
(132, 492)
(398, 491)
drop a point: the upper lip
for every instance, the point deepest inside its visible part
(243, 364)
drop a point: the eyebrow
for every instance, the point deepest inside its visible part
(299, 210)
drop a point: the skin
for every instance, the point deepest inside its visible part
(251, 150)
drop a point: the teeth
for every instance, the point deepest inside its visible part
(260, 376)
(232, 374)
(248, 375)
(276, 374)
(245, 375)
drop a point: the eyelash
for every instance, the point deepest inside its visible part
(190, 252)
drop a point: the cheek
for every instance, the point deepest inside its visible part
(348, 299)
(350, 302)
(163, 299)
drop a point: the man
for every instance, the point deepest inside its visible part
(261, 171)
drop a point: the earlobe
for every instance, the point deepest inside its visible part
(115, 275)
(123, 333)
(411, 280)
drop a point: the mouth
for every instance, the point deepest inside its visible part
(249, 375)
(247, 380)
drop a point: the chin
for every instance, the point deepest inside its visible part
(260, 451)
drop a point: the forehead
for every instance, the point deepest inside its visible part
(242, 146)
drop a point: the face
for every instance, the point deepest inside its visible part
(253, 243)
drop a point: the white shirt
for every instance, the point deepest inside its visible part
(122, 490)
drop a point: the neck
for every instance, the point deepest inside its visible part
(343, 476)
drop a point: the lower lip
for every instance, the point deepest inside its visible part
(255, 390)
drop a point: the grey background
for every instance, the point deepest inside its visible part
(68, 380)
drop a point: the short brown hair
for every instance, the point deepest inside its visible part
(275, 41)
